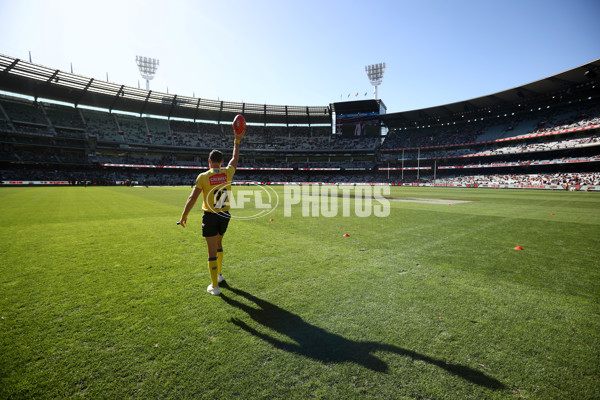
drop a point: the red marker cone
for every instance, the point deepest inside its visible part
(346, 235)
(551, 213)
(271, 219)
(517, 248)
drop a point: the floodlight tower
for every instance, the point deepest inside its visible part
(147, 67)
(375, 74)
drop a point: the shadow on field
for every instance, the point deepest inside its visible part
(316, 343)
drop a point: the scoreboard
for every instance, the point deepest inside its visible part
(358, 118)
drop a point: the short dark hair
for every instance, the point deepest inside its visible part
(215, 156)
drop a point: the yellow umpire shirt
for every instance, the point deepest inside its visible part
(216, 188)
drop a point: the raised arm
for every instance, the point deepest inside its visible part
(239, 129)
(236, 153)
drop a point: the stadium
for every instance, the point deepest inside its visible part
(480, 281)
(539, 135)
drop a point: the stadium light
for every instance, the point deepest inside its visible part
(375, 74)
(147, 67)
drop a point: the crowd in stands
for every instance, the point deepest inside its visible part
(52, 119)
(490, 129)
(331, 142)
(317, 177)
(102, 125)
(582, 117)
(186, 178)
(561, 179)
(182, 178)
(58, 135)
(201, 161)
(428, 137)
(537, 146)
(497, 149)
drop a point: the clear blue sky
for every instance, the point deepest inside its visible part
(309, 52)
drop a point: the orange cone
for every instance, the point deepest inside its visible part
(517, 248)
(551, 213)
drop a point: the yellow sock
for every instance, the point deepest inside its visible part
(212, 268)
(219, 261)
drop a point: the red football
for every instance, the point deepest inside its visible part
(239, 124)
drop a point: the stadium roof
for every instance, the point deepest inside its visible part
(561, 87)
(21, 77)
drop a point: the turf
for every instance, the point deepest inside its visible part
(103, 296)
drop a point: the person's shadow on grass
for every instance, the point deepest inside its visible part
(318, 344)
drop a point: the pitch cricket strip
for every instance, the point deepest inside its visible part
(425, 200)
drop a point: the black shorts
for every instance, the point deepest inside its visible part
(214, 224)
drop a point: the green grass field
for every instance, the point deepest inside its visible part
(102, 296)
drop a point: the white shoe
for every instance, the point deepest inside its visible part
(220, 278)
(214, 291)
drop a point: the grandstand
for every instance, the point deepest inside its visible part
(60, 127)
